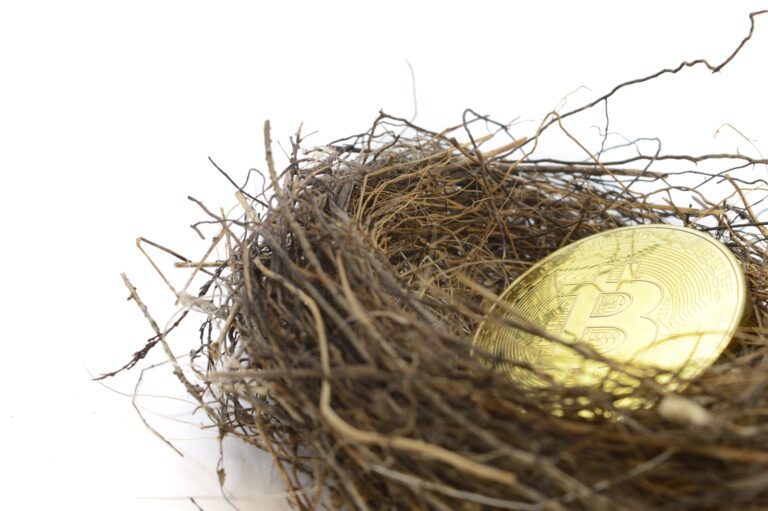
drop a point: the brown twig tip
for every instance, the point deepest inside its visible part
(744, 41)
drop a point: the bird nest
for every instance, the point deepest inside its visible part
(338, 329)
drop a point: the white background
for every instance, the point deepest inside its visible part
(109, 110)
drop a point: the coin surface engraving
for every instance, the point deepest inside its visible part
(654, 296)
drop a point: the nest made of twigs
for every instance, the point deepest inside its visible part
(338, 329)
(353, 291)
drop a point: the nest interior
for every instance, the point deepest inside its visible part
(353, 289)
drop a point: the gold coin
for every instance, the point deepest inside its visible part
(653, 296)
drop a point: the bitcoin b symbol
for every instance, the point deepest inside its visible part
(610, 307)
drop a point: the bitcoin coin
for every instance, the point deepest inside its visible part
(647, 296)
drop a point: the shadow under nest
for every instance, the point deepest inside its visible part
(355, 289)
